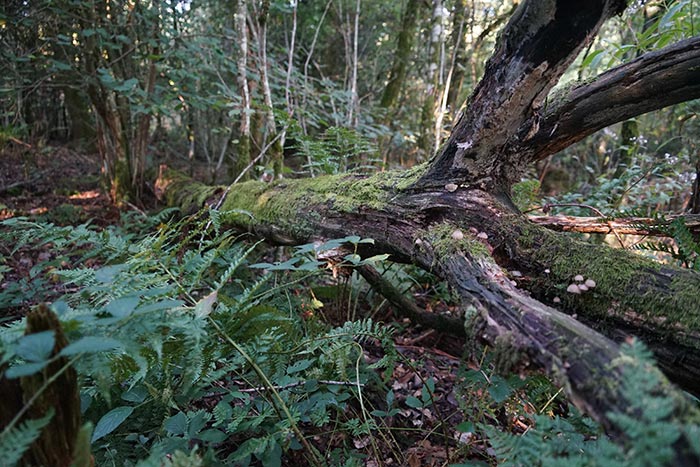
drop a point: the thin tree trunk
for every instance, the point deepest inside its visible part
(243, 156)
(436, 67)
(442, 108)
(402, 55)
(354, 105)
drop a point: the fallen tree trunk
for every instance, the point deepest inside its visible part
(641, 297)
(456, 235)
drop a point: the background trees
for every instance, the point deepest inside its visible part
(125, 72)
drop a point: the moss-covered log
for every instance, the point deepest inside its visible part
(472, 240)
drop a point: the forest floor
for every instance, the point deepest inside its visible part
(61, 186)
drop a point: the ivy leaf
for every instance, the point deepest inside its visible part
(107, 274)
(27, 369)
(414, 402)
(301, 365)
(123, 306)
(110, 422)
(137, 394)
(212, 435)
(500, 389)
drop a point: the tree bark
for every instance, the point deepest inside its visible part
(652, 81)
(242, 159)
(454, 218)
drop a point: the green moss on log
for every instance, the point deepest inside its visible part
(293, 205)
(627, 285)
(447, 238)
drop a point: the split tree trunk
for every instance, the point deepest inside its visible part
(454, 216)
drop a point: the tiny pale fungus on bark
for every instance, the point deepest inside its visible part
(451, 187)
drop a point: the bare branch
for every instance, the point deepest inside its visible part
(625, 226)
(652, 81)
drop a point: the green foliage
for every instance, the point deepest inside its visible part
(661, 24)
(686, 249)
(175, 317)
(525, 194)
(15, 441)
(647, 431)
(336, 150)
(646, 187)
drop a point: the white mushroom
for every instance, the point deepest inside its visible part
(547, 271)
(457, 235)
(482, 235)
(582, 287)
(578, 278)
(516, 274)
(451, 187)
(556, 300)
(590, 283)
(573, 288)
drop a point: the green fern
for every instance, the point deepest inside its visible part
(686, 249)
(172, 300)
(648, 433)
(15, 442)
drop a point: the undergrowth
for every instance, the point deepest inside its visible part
(182, 350)
(191, 350)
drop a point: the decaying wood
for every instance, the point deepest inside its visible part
(623, 226)
(454, 217)
(652, 81)
(32, 398)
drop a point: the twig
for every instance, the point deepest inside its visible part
(21, 183)
(406, 307)
(301, 383)
(246, 169)
(421, 337)
(19, 141)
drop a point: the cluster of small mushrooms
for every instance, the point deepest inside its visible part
(580, 286)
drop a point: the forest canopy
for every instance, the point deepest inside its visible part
(340, 232)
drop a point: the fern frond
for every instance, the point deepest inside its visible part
(15, 442)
